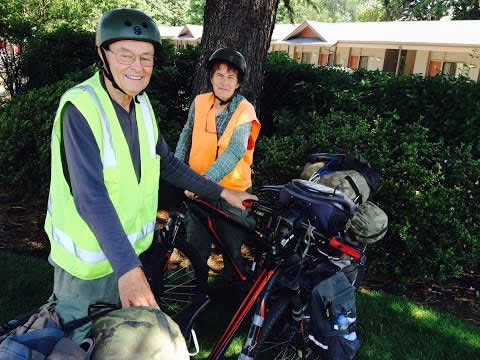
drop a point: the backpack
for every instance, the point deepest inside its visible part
(40, 335)
(138, 332)
(360, 172)
(334, 318)
(354, 177)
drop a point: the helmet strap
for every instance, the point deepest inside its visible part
(224, 102)
(108, 73)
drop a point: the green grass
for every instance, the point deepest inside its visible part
(389, 327)
(25, 283)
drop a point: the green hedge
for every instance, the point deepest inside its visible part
(430, 190)
(48, 57)
(427, 149)
(449, 107)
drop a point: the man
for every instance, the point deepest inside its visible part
(218, 141)
(107, 157)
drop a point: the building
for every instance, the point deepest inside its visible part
(400, 47)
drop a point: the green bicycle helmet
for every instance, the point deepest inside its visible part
(126, 24)
(231, 56)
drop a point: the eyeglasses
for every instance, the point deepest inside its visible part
(127, 58)
(229, 79)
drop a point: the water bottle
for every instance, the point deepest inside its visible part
(343, 323)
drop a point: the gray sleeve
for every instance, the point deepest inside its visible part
(179, 174)
(93, 203)
(226, 162)
(185, 140)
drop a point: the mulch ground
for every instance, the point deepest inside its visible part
(21, 232)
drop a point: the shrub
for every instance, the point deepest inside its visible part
(430, 190)
(427, 150)
(48, 57)
(449, 107)
(25, 132)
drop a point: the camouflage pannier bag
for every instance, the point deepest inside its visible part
(349, 182)
(369, 224)
(139, 333)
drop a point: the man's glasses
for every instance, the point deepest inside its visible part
(127, 58)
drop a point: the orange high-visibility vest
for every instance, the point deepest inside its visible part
(206, 148)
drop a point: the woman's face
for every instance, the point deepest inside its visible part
(224, 81)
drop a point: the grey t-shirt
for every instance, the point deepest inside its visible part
(84, 171)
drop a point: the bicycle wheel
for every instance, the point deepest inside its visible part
(184, 279)
(279, 338)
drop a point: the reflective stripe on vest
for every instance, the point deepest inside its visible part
(93, 257)
(109, 158)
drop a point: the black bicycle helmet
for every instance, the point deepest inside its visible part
(231, 56)
(126, 24)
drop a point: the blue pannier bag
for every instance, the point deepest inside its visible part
(334, 318)
(327, 209)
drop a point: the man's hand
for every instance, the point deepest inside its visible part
(235, 197)
(134, 289)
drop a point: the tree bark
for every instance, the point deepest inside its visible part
(245, 25)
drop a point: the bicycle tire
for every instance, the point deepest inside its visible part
(184, 279)
(276, 340)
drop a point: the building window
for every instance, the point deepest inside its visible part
(297, 54)
(323, 59)
(331, 59)
(433, 67)
(353, 62)
(455, 69)
(363, 62)
(306, 58)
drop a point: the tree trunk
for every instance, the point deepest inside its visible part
(245, 25)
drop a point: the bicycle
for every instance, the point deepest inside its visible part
(291, 256)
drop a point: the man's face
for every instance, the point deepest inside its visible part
(131, 64)
(224, 82)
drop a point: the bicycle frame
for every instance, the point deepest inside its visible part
(259, 291)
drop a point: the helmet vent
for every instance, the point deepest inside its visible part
(128, 23)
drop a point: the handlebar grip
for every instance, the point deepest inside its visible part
(333, 242)
(248, 203)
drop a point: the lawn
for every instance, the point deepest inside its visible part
(390, 327)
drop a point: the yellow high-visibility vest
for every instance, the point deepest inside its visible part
(74, 246)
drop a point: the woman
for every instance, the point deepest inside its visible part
(218, 141)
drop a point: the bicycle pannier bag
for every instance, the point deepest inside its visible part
(321, 164)
(369, 224)
(333, 317)
(350, 182)
(328, 210)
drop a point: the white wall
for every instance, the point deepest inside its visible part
(376, 58)
(341, 58)
(421, 62)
